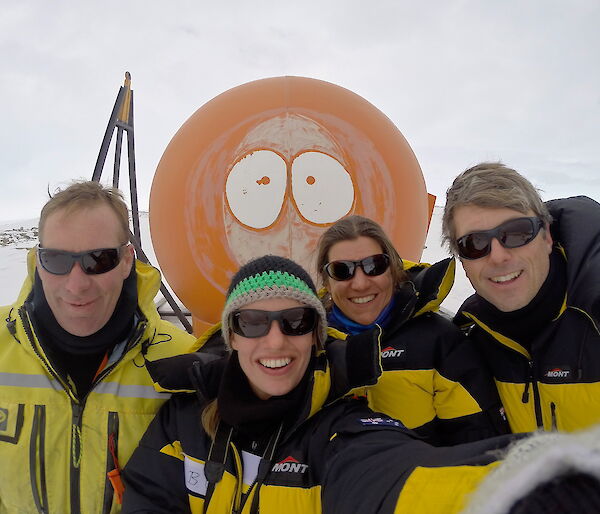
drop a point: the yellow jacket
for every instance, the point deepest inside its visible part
(56, 450)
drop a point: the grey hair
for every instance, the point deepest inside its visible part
(491, 185)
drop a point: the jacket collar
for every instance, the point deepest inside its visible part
(432, 283)
(575, 230)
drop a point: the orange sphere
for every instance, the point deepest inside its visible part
(266, 167)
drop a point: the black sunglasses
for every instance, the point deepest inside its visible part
(296, 321)
(92, 262)
(510, 234)
(371, 266)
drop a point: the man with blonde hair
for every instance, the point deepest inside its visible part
(75, 395)
(535, 314)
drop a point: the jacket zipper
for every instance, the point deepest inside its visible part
(264, 468)
(528, 382)
(76, 456)
(536, 396)
(112, 445)
(238, 498)
(76, 451)
(554, 426)
(37, 451)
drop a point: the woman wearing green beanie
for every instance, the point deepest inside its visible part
(267, 429)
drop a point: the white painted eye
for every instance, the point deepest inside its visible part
(255, 188)
(321, 187)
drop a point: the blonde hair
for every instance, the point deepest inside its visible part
(85, 194)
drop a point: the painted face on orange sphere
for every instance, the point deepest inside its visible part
(279, 199)
(265, 168)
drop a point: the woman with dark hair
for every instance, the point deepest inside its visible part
(433, 379)
(261, 430)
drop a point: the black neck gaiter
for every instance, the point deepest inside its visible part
(252, 417)
(524, 324)
(80, 357)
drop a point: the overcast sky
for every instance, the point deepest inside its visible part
(464, 81)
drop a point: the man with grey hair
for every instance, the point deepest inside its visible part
(535, 314)
(75, 394)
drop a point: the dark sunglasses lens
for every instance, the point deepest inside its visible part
(375, 265)
(250, 323)
(516, 233)
(474, 246)
(340, 270)
(100, 261)
(55, 262)
(297, 322)
(512, 234)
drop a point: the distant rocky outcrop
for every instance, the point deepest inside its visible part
(24, 237)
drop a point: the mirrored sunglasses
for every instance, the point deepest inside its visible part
(296, 321)
(510, 234)
(92, 262)
(371, 266)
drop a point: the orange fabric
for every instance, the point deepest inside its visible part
(115, 479)
(102, 366)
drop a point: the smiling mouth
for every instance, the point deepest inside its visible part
(363, 299)
(80, 304)
(506, 278)
(275, 363)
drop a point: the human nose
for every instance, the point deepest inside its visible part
(77, 280)
(497, 252)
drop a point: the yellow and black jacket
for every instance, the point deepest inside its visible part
(433, 380)
(56, 448)
(338, 456)
(553, 381)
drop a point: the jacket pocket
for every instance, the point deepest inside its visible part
(37, 459)
(11, 421)
(112, 463)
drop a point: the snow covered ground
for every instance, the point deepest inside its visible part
(15, 239)
(18, 236)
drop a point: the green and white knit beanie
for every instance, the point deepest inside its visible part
(272, 277)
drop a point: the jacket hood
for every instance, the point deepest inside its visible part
(576, 229)
(432, 283)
